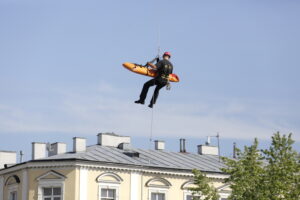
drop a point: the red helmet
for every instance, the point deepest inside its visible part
(167, 54)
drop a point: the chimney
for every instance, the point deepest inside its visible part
(124, 146)
(79, 144)
(182, 145)
(159, 145)
(208, 150)
(112, 139)
(38, 150)
(57, 148)
(7, 158)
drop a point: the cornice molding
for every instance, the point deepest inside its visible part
(89, 165)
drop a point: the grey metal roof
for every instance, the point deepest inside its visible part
(147, 158)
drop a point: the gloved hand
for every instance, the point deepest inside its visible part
(148, 65)
(157, 59)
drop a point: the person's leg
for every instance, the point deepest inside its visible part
(145, 89)
(156, 93)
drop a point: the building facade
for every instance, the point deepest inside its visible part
(109, 170)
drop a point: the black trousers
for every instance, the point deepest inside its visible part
(159, 84)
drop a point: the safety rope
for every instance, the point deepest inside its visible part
(152, 112)
(151, 128)
(158, 45)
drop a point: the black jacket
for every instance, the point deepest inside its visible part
(164, 69)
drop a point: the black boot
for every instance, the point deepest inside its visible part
(140, 102)
(150, 105)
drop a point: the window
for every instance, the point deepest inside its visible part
(51, 186)
(108, 194)
(109, 184)
(13, 195)
(12, 184)
(158, 188)
(52, 193)
(187, 193)
(190, 197)
(157, 196)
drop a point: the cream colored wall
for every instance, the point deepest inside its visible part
(93, 186)
(174, 192)
(125, 186)
(76, 185)
(218, 183)
(70, 182)
(19, 190)
(71, 190)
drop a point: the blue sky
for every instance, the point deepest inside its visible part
(61, 74)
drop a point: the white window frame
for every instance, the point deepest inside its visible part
(224, 195)
(157, 190)
(12, 188)
(187, 192)
(50, 183)
(112, 186)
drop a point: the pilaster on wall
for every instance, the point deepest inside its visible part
(83, 183)
(25, 185)
(135, 186)
(1, 187)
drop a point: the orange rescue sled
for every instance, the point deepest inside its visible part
(139, 69)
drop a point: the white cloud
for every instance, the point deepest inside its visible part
(81, 112)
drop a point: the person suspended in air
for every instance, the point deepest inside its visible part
(164, 68)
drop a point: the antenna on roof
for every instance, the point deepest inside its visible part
(21, 156)
(219, 151)
(218, 138)
(234, 150)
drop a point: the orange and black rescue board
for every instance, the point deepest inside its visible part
(139, 69)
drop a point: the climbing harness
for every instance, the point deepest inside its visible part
(168, 86)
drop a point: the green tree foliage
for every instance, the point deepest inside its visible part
(282, 173)
(271, 174)
(203, 188)
(245, 173)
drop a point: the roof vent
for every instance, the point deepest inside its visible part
(208, 141)
(132, 154)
